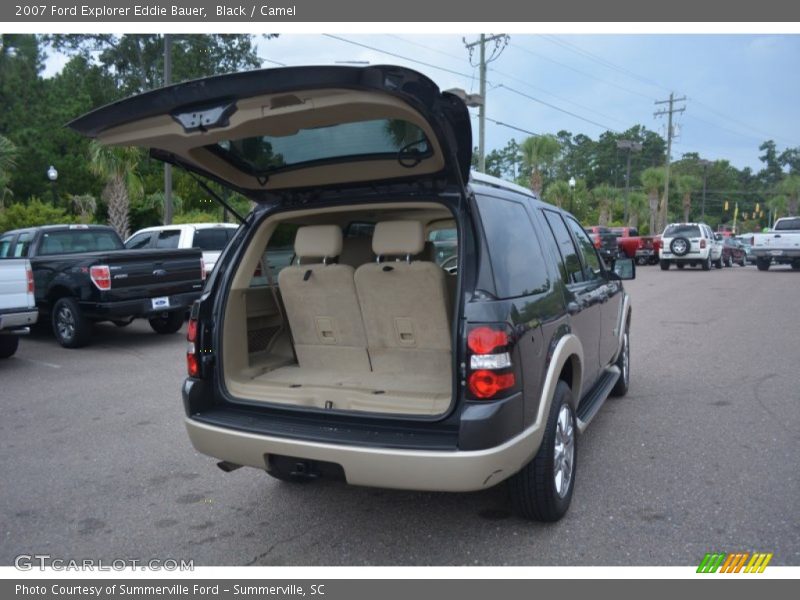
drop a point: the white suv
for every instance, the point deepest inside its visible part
(690, 243)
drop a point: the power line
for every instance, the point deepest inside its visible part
(554, 107)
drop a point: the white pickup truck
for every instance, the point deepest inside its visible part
(17, 305)
(780, 245)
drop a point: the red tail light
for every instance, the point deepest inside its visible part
(491, 372)
(487, 384)
(192, 360)
(29, 275)
(483, 340)
(101, 277)
(702, 244)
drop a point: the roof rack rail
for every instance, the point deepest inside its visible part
(485, 179)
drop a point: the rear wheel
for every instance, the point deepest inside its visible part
(729, 261)
(168, 322)
(8, 345)
(706, 264)
(718, 263)
(762, 264)
(70, 327)
(542, 490)
(741, 263)
(665, 265)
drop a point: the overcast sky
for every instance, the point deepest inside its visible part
(740, 89)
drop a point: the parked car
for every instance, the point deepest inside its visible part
(83, 274)
(780, 245)
(605, 242)
(690, 244)
(733, 252)
(383, 370)
(632, 245)
(211, 238)
(746, 243)
(17, 306)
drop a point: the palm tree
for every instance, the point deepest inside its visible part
(637, 202)
(557, 193)
(686, 185)
(84, 205)
(790, 187)
(8, 152)
(538, 153)
(653, 182)
(120, 168)
(603, 195)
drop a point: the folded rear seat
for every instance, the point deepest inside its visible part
(322, 305)
(404, 304)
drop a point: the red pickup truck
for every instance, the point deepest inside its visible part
(644, 249)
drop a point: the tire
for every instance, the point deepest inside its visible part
(540, 491)
(168, 322)
(70, 327)
(742, 263)
(729, 261)
(706, 264)
(680, 265)
(763, 264)
(8, 345)
(680, 246)
(624, 365)
(664, 265)
(796, 266)
(718, 263)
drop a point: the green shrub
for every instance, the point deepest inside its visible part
(33, 213)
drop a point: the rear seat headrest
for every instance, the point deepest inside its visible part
(319, 241)
(398, 238)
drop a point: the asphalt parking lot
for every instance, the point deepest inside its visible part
(702, 455)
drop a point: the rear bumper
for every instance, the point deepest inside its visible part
(427, 470)
(141, 307)
(776, 253)
(17, 320)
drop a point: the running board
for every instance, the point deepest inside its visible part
(591, 403)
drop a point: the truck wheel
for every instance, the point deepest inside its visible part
(168, 322)
(542, 490)
(664, 265)
(624, 365)
(706, 264)
(718, 263)
(71, 328)
(762, 264)
(8, 345)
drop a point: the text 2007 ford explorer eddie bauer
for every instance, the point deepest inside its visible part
(365, 359)
(83, 274)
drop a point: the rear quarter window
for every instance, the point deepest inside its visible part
(212, 239)
(517, 260)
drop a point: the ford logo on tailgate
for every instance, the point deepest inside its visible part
(159, 272)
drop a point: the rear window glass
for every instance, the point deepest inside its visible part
(213, 238)
(787, 224)
(5, 245)
(517, 260)
(363, 139)
(682, 231)
(75, 241)
(168, 238)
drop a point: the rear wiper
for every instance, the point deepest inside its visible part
(216, 196)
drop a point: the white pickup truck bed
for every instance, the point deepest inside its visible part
(780, 245)
(17, 305)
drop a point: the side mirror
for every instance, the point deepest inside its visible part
(624, 268)
(718, 237)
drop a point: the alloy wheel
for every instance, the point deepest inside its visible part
(564, 455)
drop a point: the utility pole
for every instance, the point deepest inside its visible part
(500, 41)
(705, 164)
(167, 166)
(631, 147)
(670, 132)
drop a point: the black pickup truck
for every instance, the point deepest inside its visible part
(83, 274)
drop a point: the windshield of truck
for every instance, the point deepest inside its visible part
(76, 241)
(682, 231)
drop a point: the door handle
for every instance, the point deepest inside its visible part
(573, 308)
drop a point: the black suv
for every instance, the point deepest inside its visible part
(366, 358)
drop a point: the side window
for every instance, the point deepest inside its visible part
(139, 241)
(517, 259)
(211, 238)
(5, 244)
(23, 244)
(633, 232)
(278, 255)
(571, 268)
(168, 238)
(591, 261)
(445, 244)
